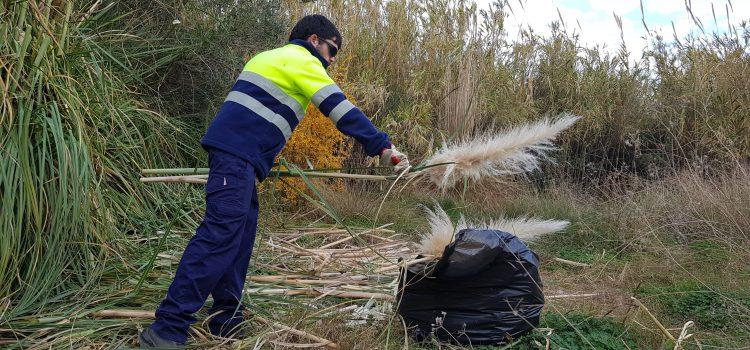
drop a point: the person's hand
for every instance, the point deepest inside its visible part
(391, 156)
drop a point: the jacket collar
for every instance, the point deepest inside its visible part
(312, 50)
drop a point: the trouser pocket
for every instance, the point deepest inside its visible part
(229, 192)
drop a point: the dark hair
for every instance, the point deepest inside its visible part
(316, 24)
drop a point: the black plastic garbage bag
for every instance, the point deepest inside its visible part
(485, 290)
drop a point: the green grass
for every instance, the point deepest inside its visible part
(710, 308)
(711, 252)
(592, 236)
(578, 331)
(574, 331)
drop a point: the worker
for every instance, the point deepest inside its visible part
(257, 118)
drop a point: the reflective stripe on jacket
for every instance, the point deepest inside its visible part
(269, 100)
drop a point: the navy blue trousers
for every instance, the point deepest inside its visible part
(216, 259)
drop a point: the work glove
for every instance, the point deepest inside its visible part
(391, 156)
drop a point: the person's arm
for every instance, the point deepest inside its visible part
(313, 81)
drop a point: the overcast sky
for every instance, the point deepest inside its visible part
(598, 26)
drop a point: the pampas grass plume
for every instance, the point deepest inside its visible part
(442, 230)
(514, 151)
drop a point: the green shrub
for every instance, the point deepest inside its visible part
(208, 43)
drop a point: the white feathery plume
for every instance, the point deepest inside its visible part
(514, 151)
(525, 228)
(442, 230)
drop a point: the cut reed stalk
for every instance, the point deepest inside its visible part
(201, 179)
(315, 293)
(568, 296)
(187, 179)
(653, 318)
(405, 264)
(571, 263)
(297, 345)
(303, 282)
(274, 278)
(176, 171)
(348, 238)
(297, 332)
(123, 314)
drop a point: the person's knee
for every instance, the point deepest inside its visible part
(226, 217)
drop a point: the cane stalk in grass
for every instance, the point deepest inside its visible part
(513, 151)
(201, 179)
(204, 171)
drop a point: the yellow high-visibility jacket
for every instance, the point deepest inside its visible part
(269, 100)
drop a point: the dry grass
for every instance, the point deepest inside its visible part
(368, 207)
(692, 206)
(628, 240)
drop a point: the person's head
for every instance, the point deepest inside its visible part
(321, 33)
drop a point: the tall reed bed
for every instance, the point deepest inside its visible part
(72, 135)
(445, 69)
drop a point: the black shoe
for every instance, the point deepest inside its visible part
(148, 339)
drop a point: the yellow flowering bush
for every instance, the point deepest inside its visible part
(316, 142)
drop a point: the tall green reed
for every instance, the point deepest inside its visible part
(73, 136)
